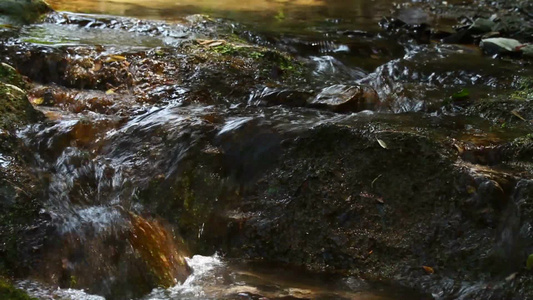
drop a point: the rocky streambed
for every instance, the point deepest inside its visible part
(393, 161)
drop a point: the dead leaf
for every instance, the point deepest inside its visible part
(113, 58)
(428, 270)
(216, 44)
(515, 112)
(204, 42)
(382, 143)
(97, 66)
(459, 148)
(511, 277)
(211, 43)
(38, 101)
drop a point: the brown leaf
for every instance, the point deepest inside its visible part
(428, 270)
(113, 58)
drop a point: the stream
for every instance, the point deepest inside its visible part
(270, 150)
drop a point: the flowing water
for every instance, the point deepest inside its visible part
(98, 163)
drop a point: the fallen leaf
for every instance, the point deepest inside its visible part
(382, 144)
(462, 94)
(459, 148)
(216, 44)
(110, 92)
(204, 42)
(113, 58)
(428, 270)
(514, 112)
(511, 277)
(97, 66)
(38, 101)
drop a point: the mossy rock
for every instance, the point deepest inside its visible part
(25, 11)
(15, 109)
(9, 292)
(9, 75)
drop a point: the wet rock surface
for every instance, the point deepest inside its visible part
(405, 169)
(22, 226)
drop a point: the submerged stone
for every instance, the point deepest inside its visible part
(343, 98)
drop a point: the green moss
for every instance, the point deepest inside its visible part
(524, 89)
(9, 75)
(25, 11)
(9, 292)
(15, 109)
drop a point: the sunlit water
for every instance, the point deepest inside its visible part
(281, 15)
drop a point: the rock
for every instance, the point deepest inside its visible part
(482, 25)
(499, 46)
(15, 109)
(22, 226)
(9, 75)
(25, 11)
(273, 96)
(527, 50)
(141, 254)
(9, 292)
(343, 98)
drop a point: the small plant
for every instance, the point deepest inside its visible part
(529, 262)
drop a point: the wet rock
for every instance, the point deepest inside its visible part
(15, 109)
(527, 50)
(482, 25)
(344, 99)
(9, 292)
(140, 254)
(273, 96)
(499, 46)
(22, 227)
(420, 32)
(26, 11)
(9, 75)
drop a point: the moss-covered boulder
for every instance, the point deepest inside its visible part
(9, 75)
(15, 109)
(25, 11)
(9, 292)
(22, 227)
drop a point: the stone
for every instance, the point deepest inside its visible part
(344, 98)
(482, 25)
(494, 46)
